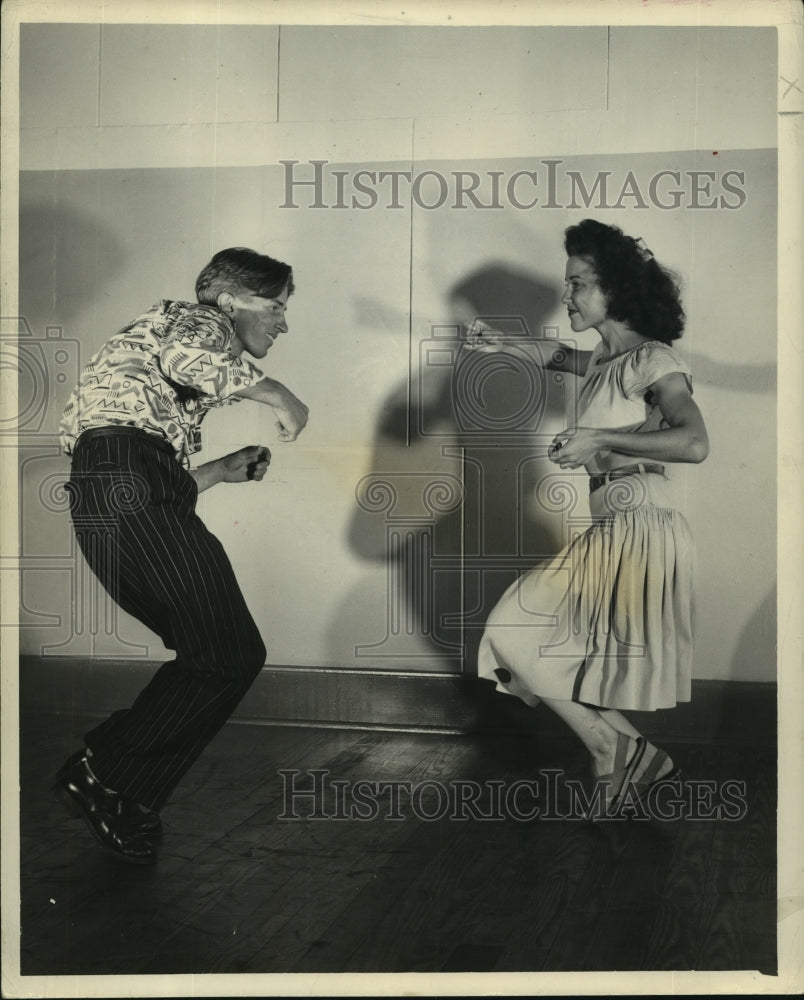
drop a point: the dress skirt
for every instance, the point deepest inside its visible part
(608, 621)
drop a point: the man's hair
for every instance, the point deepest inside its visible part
(638, 290)
(240, 269)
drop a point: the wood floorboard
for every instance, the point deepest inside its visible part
(242, 888)
(397, 922)
(339, 860)
(529, 888)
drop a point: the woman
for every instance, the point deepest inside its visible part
(607, 622)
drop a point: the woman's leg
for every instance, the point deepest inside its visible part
(595, 731)
(601, 740)
(664, 764)
(618, 721)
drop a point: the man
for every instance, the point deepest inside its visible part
(131, 425)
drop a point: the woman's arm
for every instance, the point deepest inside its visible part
(567, 359)
(684, 440)
(548, 354)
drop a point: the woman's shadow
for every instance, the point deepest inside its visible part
(449, 504)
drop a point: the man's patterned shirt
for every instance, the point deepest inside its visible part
(162, 373)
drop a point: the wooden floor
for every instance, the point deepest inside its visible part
(238, 889)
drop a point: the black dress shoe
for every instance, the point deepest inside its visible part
(141, 818)
(99, 808)
(136, 817)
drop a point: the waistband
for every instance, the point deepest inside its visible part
(124, 430)
(595, 482)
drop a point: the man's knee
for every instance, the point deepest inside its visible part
(251, 659)
(237, 662)
(257, 656)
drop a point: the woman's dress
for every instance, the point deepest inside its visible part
(608, 620)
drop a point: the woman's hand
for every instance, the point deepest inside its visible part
(575, 446)
(481, 337)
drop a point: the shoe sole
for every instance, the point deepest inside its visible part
(76, 811)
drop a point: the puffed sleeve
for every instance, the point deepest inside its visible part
(648, 364)
(196, 353)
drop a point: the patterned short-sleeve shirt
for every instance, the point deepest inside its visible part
(162, 373)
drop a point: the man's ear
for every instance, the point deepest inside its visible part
(226, 303)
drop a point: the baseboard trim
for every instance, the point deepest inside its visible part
(735, 712)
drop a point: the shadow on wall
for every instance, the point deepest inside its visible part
(757, 637)
(67, 260)
(456, 456)
(741, 378)
(67, 263)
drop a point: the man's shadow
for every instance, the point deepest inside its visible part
(68, 261)
(449, 503)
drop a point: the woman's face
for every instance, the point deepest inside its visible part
(585, 302)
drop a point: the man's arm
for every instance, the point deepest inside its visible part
(291, 413)
(198, 354)
(248, 463)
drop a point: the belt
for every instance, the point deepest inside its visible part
(595, 482)
(124, 430)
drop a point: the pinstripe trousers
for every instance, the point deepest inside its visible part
(133, 511)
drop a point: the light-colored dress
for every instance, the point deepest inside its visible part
(608, 620)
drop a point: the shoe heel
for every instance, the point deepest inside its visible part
(66, 800)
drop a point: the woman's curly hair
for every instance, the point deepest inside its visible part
(638, 290)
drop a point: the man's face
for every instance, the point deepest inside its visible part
(258, 321)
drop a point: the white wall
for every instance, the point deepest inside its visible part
(133, 175)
